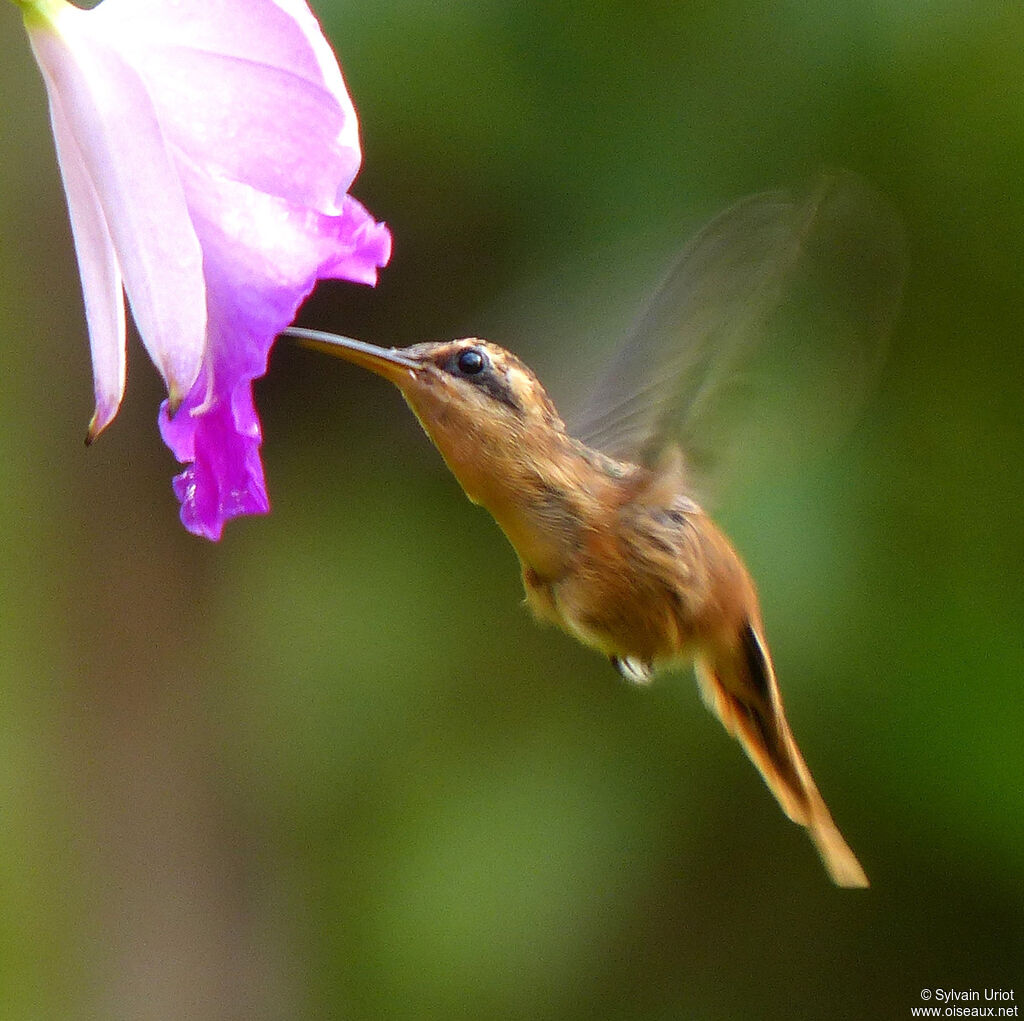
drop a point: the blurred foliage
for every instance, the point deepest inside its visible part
(329, 767)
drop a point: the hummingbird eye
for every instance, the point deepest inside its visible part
(471, 361)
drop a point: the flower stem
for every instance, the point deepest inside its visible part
(41, 12)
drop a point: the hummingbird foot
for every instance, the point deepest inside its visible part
(634, 670)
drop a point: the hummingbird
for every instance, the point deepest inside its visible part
(614, 546)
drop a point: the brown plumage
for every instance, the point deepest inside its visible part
(615, 553)
(614, 547)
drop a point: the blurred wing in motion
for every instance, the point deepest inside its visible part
(762, 338)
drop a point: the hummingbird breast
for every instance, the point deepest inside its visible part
(650, 581)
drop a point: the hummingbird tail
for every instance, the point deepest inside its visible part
(743, 694)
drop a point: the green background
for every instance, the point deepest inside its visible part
(329, 767)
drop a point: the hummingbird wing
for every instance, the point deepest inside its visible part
(762, 335)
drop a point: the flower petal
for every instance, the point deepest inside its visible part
(362, 245)
(98, 268)
(230, 76)
(258, 245)
(224, 478)
(256, 124)
(263, 257)
(219, 142)
(111, 118)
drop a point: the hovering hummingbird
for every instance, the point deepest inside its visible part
(614, 546)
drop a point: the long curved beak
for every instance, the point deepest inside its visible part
(390, 363)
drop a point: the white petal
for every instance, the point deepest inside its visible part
(327, 61)
(248, 88)
(279, 33)
(100, 273)
(253, 123)
(234, 73)
(112, 120)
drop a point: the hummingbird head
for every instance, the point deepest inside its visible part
(476, 385)
(486, 412)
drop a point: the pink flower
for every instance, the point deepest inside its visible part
(207, 148)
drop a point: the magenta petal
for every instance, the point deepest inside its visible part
(364, 246)
(224, 476)
(259, 268)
